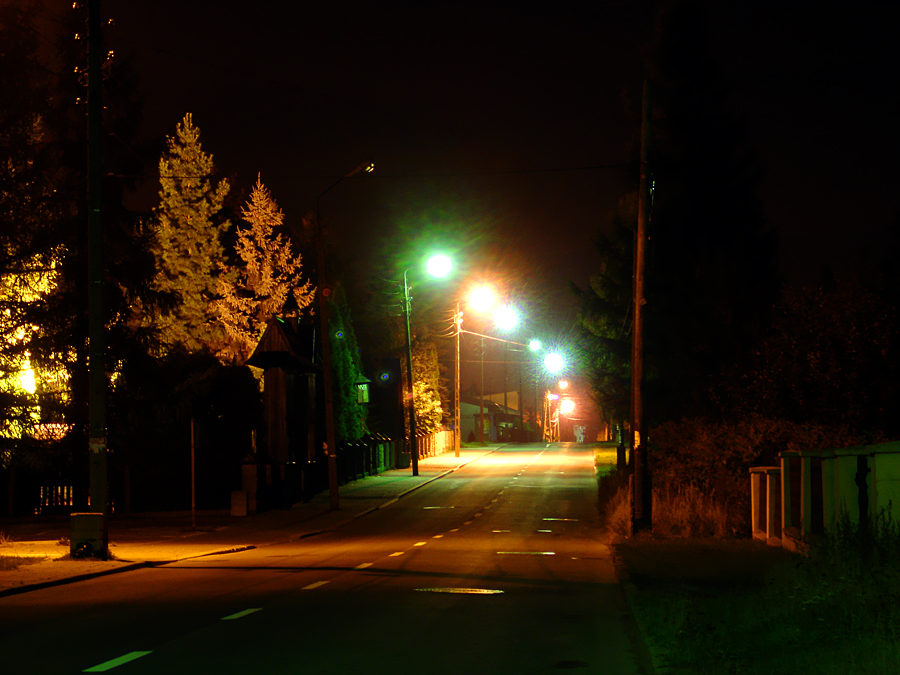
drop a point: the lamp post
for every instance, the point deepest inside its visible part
(457, 437)
(535, 346)
(437, 266)
(481, 299)
(322, 297)
(506, 319)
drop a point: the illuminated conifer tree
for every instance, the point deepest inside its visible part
(189, 245)
(256, 291)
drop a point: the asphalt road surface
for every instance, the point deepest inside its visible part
(497, 568)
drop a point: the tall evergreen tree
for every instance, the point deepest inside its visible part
(256, 290)
(346, 368)
(189, 248)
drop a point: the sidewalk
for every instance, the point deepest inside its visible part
(156, 539)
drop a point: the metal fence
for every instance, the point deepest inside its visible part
(375, 453)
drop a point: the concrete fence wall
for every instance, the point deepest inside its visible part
(811, 489)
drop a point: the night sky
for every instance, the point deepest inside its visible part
(522, 116)
(503, 112)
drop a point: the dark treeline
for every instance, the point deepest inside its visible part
(729, 349)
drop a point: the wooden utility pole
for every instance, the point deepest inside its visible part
(641, 495)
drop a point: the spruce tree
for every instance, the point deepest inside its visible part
(189, 248)
(255, 291)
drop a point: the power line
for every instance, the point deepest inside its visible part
(460, 174)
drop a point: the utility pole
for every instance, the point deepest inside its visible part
(325, 340)
(642, 500)
(99, 487)
(325, 345)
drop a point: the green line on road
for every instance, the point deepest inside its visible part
(241, 614)
(109, 665)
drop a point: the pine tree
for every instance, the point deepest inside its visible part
(256, 291)
(189, 247)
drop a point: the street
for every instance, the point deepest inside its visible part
(498, 567)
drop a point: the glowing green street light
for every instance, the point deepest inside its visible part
(439, 266)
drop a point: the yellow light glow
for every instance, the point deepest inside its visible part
(563, 384)
(482, 298)
(566, 406)
(26, 380)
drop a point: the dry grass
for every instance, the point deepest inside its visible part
(11, 562)
(688, 512)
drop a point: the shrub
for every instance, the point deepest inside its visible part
(703, 464)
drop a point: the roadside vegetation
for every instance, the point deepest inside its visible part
(711, 603)
(11, 562)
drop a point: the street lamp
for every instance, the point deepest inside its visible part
(437, 266)
(457, 436)
(481, 299)
(506, 319)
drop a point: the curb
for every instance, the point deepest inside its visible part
(70, 580)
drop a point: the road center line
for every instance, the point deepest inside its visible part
(241, 614)
(437, 536)
(394, 555)
(362, 566)
(109, 665)
(314, 585)
(420, 543)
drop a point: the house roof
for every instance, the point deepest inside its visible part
(281, 347)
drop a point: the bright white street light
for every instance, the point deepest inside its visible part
(506, 318)
(566, 406)
(553, 362)
(534, 345)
